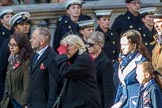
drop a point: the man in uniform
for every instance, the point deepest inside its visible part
(5, 32)
(68, 23)
(129, 20)
(85, 28)
(111, 46)
(148, 32)
(19, 22)
(5, 28)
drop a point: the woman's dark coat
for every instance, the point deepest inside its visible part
(105, 79)
(81, 90)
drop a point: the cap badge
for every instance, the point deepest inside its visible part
(23, 16)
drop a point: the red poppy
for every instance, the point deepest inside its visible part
(159, 51)
(16, 65)
(146, 100)
(42, 67)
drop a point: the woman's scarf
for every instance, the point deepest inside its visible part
(159, 40)
(13, 59)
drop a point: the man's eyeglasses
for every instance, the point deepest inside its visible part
(12, 45)
(90, 44)
(135, 2)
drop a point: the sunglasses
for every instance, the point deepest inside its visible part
(90, 44)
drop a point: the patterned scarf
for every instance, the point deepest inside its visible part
(159, 40)
(13, 59)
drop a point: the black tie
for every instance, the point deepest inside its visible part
(35, 58)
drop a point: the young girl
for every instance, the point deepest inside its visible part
(150, 95)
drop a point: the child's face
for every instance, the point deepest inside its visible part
(140, 75)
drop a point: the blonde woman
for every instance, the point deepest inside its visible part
(78, 68)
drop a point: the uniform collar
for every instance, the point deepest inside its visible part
(131, 16)
(100, 57)
(148, 33)
(147, 85)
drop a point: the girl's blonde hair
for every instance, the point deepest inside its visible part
(148, 67)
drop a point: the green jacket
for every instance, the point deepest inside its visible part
(17, 84)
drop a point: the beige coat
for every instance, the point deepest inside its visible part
(157, 58)
(157, 61)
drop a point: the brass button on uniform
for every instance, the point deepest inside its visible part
(140, 29)
(131, 26)
(69, 27)
(112, 34)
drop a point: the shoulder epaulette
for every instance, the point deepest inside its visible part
(61, 19)
(120, 16)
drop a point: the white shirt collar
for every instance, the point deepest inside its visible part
(40, 52)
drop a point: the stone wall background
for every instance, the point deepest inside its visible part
(49, 12)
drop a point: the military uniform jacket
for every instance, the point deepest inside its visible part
(66, 26)
(82, 37)
(128, 87)
(105, 79)
(4, 54)
(126, 22)
(16, 84)
(81, 90)
(44, 81)
(4, 34)
(148, 37)
(111, 46)
(150, 96)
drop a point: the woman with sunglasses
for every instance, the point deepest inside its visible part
(17, 76)
(104, 68)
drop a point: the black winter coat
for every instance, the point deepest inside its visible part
(45, 82)
(81, 90)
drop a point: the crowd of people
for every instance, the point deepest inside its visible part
(85, 67)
